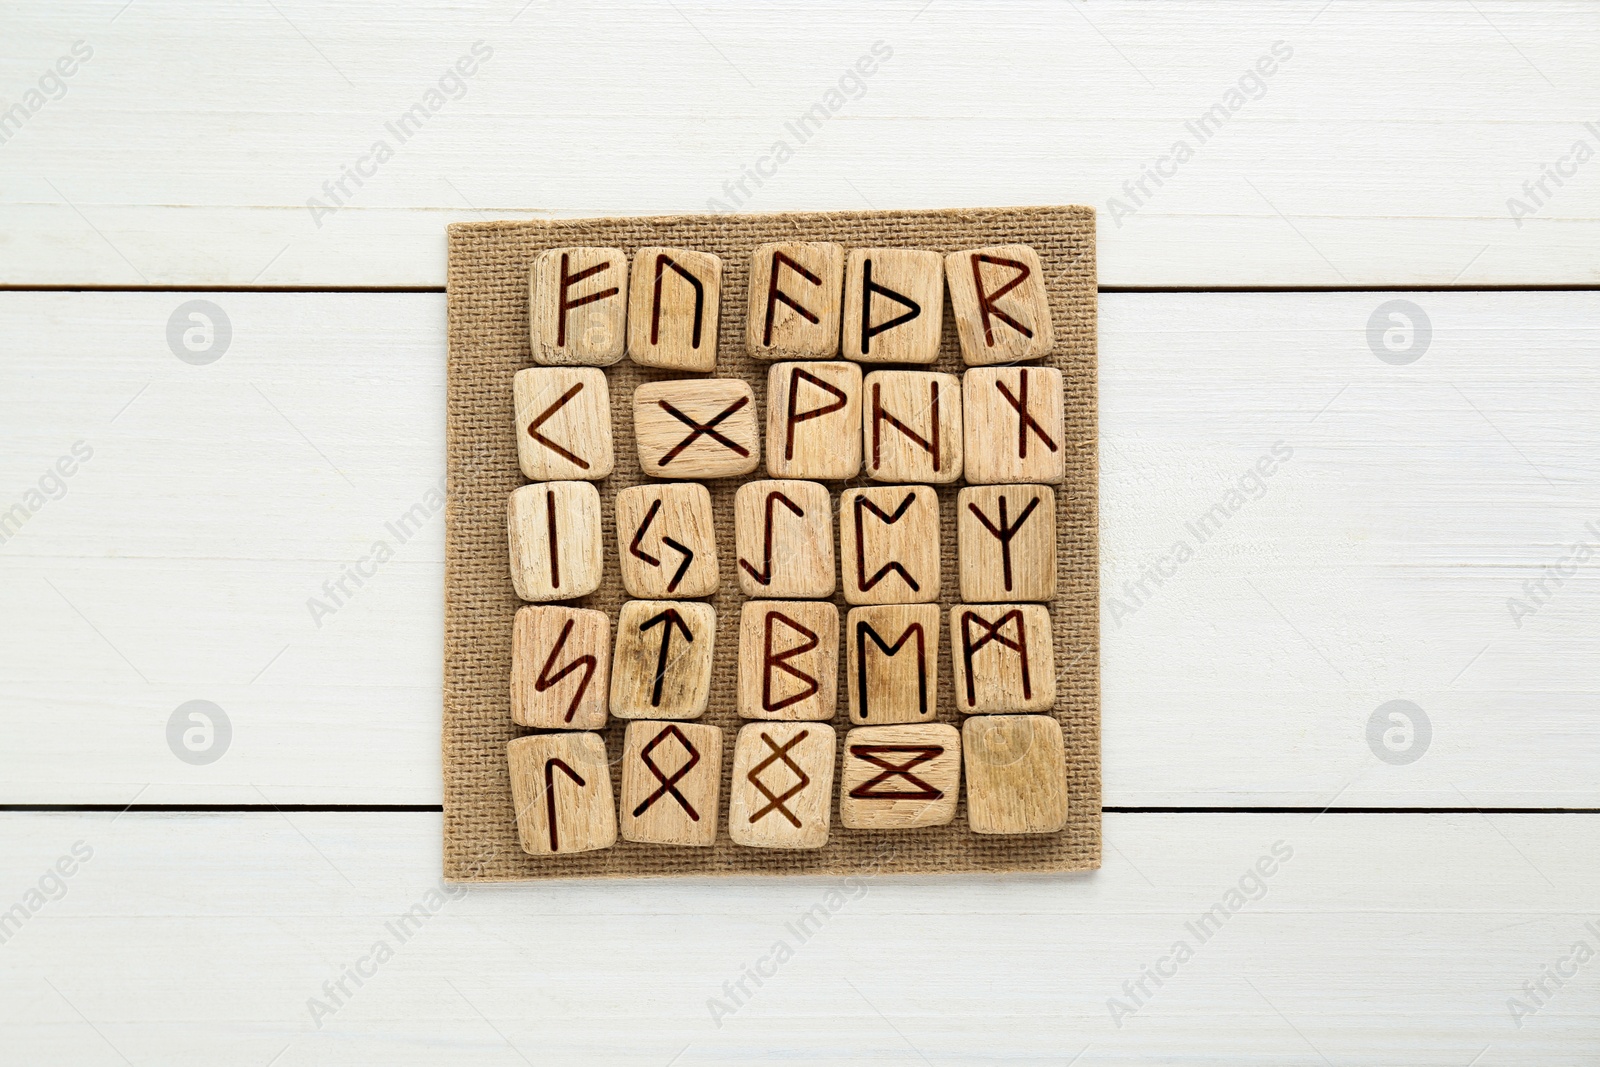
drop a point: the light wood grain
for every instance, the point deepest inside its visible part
(697, 428)
(674, 301)
(893, 305)
(672, 799)
(554, 531)
(783, 533)
(911, 426)
(889, 544)
(788, 659)
(1016, 774)
(578, 306)
(892, 663)
(1006, 542)
(563, 424)
(814, 420)
(1002, 656)
(662, 663)
(781, 791)
(796, 299)
(899, 777)
(667, 541)
(998, 300)
(560, 667)
(1013, 421)
(561, 792)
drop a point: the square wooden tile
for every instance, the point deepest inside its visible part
(674, 300)
(696, 428)
(1013, 425)
(781, 791)
(560, 668)
(796, 298)
(911, 426)
(671, 783)
(892, 663)
(554, 533)
(889, 544)
(899, 777)
(561, 790)
(893, 305)
(578, 306)
(783, 532)
(1016, 771)
(661, 667)
(814, 420)
(666, 541)
(1007, 542)
(1003, 656)
(997, 296)
(563, 424)
(788, 659)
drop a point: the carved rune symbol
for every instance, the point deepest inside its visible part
(555, 543)
(764, 575)
(708, 429)
(671, 618)
(986, 301)
(567, 282)
(914, 789)
(1005, 531)
(865, 630)
(776, 802)
(546, 680)
(796, 376)
(1025, 419)
(970, 648)
(774, 294)
(889, 519)
(546, 415)
(669, 785)
(868, 290)
(929, 444)
(550, 767)
(685, 550)
(663, 261)
(780, 661)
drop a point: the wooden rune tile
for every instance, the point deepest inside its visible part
(1006, 536)
(1016, 771)
(899, 777)
(788, 659)
(889, 544)
(781, 790)
(1013, 425)
(783, 532)
(892, 663)
(578, 306)
(671, 782)
(661, 666)
(1003, 658)
(563, 418)
(911, 426)
(696, 428)
(560, 668)
(814, 420)
(674, 298)
(893, 305)
(796, 296)
(554, 532)
(561, 788)
(666, 541)
(998, 298)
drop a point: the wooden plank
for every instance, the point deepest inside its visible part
(1376, 563)
(190, 148)
(1373, 939)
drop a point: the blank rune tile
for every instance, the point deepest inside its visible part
(563, 417)
(1001, 309)
(788, 659)
(783, 536)
(666, 541)
(696, 428)
(578, 306)
(674, 298)
(911, 426)
(554, 532)
(899, 777)
(893, 305)
(892, 663)
(560, 668)
(671, 782)
(1003, 657)
(1014, 425)
(661, 667)
(1007, 542)
(796, 297)
(889, 544)
(814, 420)
(781, 791)
(1016, 770)
(561, 788)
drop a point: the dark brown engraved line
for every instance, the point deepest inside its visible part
(868, 289)
(862, 581)
(684, 550)
(986, 301)
(708, 429)
(774, 294)
(969, 649)
(796, 375)
(550, 766)
(865, 630)
(1005, 531)
(555, 544)
(1025, 419)
(777, 802)
(880, 416)
(663, 261)
(546, 680)
(780, 660)
(533, 427)
(565, 305)
(671, 618)
(764, 575)
(873, 754)
(669, 785)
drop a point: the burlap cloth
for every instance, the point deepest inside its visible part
(488, 299)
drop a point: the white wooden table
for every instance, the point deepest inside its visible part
(1427, 534)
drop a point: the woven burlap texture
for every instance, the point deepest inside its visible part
(488, 307)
